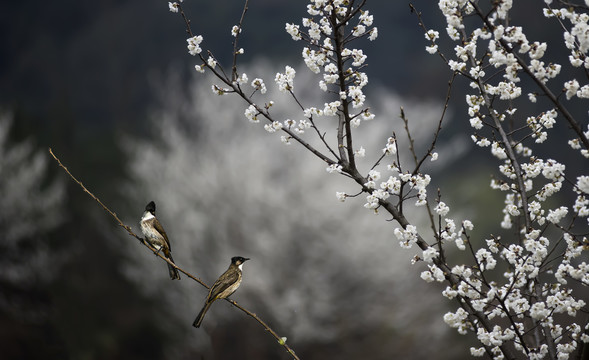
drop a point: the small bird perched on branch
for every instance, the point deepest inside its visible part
(225, 285)
(156, 236)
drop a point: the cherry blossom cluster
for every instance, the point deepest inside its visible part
(532, 186)
(341, 66)
(576, 38)
(393, 184)
(520, 298)
(326, 53)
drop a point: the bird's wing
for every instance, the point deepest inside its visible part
(230, 277)
(161, 230)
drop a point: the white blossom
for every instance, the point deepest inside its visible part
(331, 108)
(173, 7)
(432, 35)
(273, 127)
(556, 215)
(194, 45)
(583, 184)
(406, 236)
(211, 62)
(432, 49)
(390, 147)
(571, 87)
(442, 209)
(235, 30)
(430, 254)
(373, 34)
(258, 84)
(285, 81)
(251, 113)
(334, 168)
(293, 31)
(200, 68)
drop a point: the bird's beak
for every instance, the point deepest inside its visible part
(245, 259)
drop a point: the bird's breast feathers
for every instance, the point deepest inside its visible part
(153, 236)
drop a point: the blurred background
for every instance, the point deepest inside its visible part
(110, 87)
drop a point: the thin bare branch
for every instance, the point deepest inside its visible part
(235, 50)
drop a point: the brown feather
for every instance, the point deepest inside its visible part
(160, 229)
(230, 280)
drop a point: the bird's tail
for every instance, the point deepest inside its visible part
(201, 315)
(174, 274)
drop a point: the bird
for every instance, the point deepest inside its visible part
(225, 285)
(156, 236)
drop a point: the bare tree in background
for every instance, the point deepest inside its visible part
(521, 289)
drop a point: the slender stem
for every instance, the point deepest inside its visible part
(234, 67)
